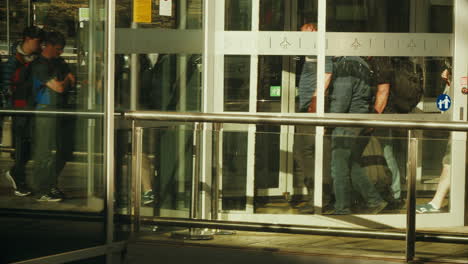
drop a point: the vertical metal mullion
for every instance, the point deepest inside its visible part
(411, 197)
(210, 24)
(91, 91)
(109, 124)
(182, 80)
(252, 129)
(459, 113)
(8, 25)
(319, 139)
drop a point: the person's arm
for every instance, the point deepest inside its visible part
(56, 86)
(328, 77)
(381, 97)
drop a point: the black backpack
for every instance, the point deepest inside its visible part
(407, 88)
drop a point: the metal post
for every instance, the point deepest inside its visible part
(8, 26)
(91, 88)
(215, 197)
(411, 197)
(109, 124)
(195, 233)
(134, 76)
(137, 152)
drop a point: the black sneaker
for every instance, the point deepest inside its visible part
(55, 195)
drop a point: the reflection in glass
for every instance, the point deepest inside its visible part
(390, 16)
(189, 18)
(238, 15)
(286, 15)
(270, 80)
(434, 188)
(234, 179)
(167, 82)
(166, 171)
(236, 83)
(69, 147)
(267, 157)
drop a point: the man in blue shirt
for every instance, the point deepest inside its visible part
(51, 79)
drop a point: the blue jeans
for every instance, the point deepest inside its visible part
(387, 142)
(350, 95)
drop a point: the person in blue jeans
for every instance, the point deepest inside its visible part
(351, 93)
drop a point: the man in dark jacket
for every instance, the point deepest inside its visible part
(14, 92)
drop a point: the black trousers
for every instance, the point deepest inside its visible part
(22, 142)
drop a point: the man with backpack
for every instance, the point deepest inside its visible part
(15, 89)
(51, 79)
(398, 90)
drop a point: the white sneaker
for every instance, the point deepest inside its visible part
(11, 180)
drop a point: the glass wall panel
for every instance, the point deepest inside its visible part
(234, 169)
(236, 83)
(287, 15)
(166, 172)
(186, 14)
(3, 27)
(166, 82)
(53, 164)
(238, 15)
(433, 185)
(390, 16)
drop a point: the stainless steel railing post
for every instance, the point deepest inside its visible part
(216, 178)
(195, 233)
(411, 197)
(137, 152)
(216, 172)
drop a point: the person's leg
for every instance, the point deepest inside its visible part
(44, 142)
(65, 131)
(340, 171)
(340, 101)
(388, 153)
(360, 180)
(22, 144)
(442, 188)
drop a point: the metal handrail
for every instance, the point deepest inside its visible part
(285, 119)
(411, 235)
(49, 113)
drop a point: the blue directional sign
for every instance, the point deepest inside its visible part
(444, 102)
